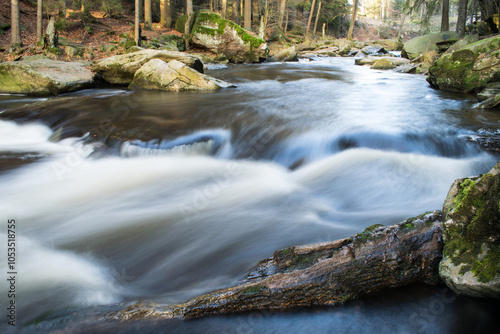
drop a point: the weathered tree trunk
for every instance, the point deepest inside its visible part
(445, 15)
(317, 18)
(187, 26)
(311, 12)
(148, 16)
(236, 16)
(353, 19)
(51, 37)
(39, 21)
(247, 15)
(263, 21)
(137, 30)
(255, 12)
(326, 273)
(165, 13)
(15, 24)
(462, 17)
(323, 31)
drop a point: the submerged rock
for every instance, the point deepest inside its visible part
(417, 46)
(174, 76)
(469, 68)
(120, 69)
(211, 32)
(327, 273)
(43, 77)
(471, 232)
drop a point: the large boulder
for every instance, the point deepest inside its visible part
(211, 32)
(289, 54)
(471, 232)
(43, 77)
(417, 46)
(174, 76)
(120, 69)
(468, 69)
(371, 60)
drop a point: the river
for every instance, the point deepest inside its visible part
(121, 196)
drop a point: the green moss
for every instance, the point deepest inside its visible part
(473, 241)
(253, 289)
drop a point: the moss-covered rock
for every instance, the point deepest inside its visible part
(468, 69)
(120, 69)
(471, 232)
(417, 46)
(211, 32)
(174, 76)
(383, 64)
(43, 77)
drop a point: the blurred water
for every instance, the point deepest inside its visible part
(163, 196)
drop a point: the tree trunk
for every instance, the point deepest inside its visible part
(187, 26)
(224, 9)
(15, 24)
(353, 19)
(236, 6)
(263, 21)
(39, 21)
(166, 13)
(148, 18)
(282, 8)
(247, 20)
(311, 12)
(137, 33)
(255, 12)
(462, 17)
(445, 15)
(62, 8)
(317, 18)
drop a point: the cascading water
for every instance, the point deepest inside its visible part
(176, 194)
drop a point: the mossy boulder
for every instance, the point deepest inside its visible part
(471, 234)
(120, 69)
(468, 69)
(174, 76)
(43, 77)
(388, 62)
(417, 46)
(383, 64)
(211, 32)
(289, 54)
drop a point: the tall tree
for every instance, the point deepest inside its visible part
(39, 21)
(224, 9)
(282, 9)
(247, 15)
(317, 18)
(137, 30)
(166, 13)
(445, 15)
(309, 20)
(353, 19)
(148, 17)
(236, 6)
(15, 24)
(462, 17)
(187, 26)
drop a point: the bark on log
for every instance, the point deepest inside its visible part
(327, 273)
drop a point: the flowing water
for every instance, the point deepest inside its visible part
(121, 196)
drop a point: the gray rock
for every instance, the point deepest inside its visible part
(417, 46)
(43, 77)
(120, 69)
(174, 76)
(471, 234)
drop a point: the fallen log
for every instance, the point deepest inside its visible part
(327, 273)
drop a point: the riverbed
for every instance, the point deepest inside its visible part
(122, 196)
